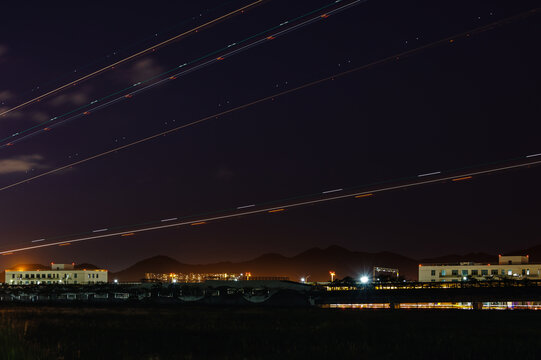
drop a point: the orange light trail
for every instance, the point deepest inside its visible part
(129, 234)
(7, 254)
(133, 56)
(276, 210)
(463, 178)
(364, 195)
(64, 244)
(225, 215)
(273, 97)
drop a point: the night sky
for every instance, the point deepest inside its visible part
(463, 104)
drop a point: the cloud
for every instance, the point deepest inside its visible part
(77, 98)
(35, 115)
(143, 69)
(20, 164)
(11, 114)
(39, 116)
(6, 95)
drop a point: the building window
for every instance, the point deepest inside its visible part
(464, 272)
(523, 271)
(75, 276)
(509, 272)
(97, 276)
(494, 272)
(475, 272)
(13, 276)
(503, 272)
(484, 272)
(433, 272)
(433, 280)
(455, 272)
(527, 271)
(443, 273)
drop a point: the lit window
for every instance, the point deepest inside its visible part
(509, 272)
(527, 271)
(464, 272)
(443, 273)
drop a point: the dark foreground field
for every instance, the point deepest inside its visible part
(266, 333)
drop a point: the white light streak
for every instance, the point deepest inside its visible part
(245, 206)
(429, 174)
(170, 219)
(533, 155)
(285, 206)
(331, 191)
(35, 241)
(99, 230)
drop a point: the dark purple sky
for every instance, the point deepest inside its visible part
(472, 102)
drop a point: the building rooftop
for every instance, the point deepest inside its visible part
(502, 260)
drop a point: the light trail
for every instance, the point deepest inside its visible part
(270, 98)
(169, 76)
(122, 50)
(463, 178)
(331, 191)
(131, 57)
(224, 215)
(430, 174)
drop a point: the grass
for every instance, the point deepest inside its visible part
(265, 333)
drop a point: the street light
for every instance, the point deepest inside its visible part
(364, 279)
(332, 273)
(303, 279)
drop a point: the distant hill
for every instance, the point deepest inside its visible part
(534, 252)
(314, 263)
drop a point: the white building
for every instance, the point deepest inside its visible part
(59, 274)
(511, 267)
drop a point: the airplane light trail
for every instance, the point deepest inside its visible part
(228, 214)
(430, 174)
(133, 56)
(170, 77)
(274, 96)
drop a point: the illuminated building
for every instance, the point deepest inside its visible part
(59, 274)
(191, 277)
(508, 267)
(202, 277)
